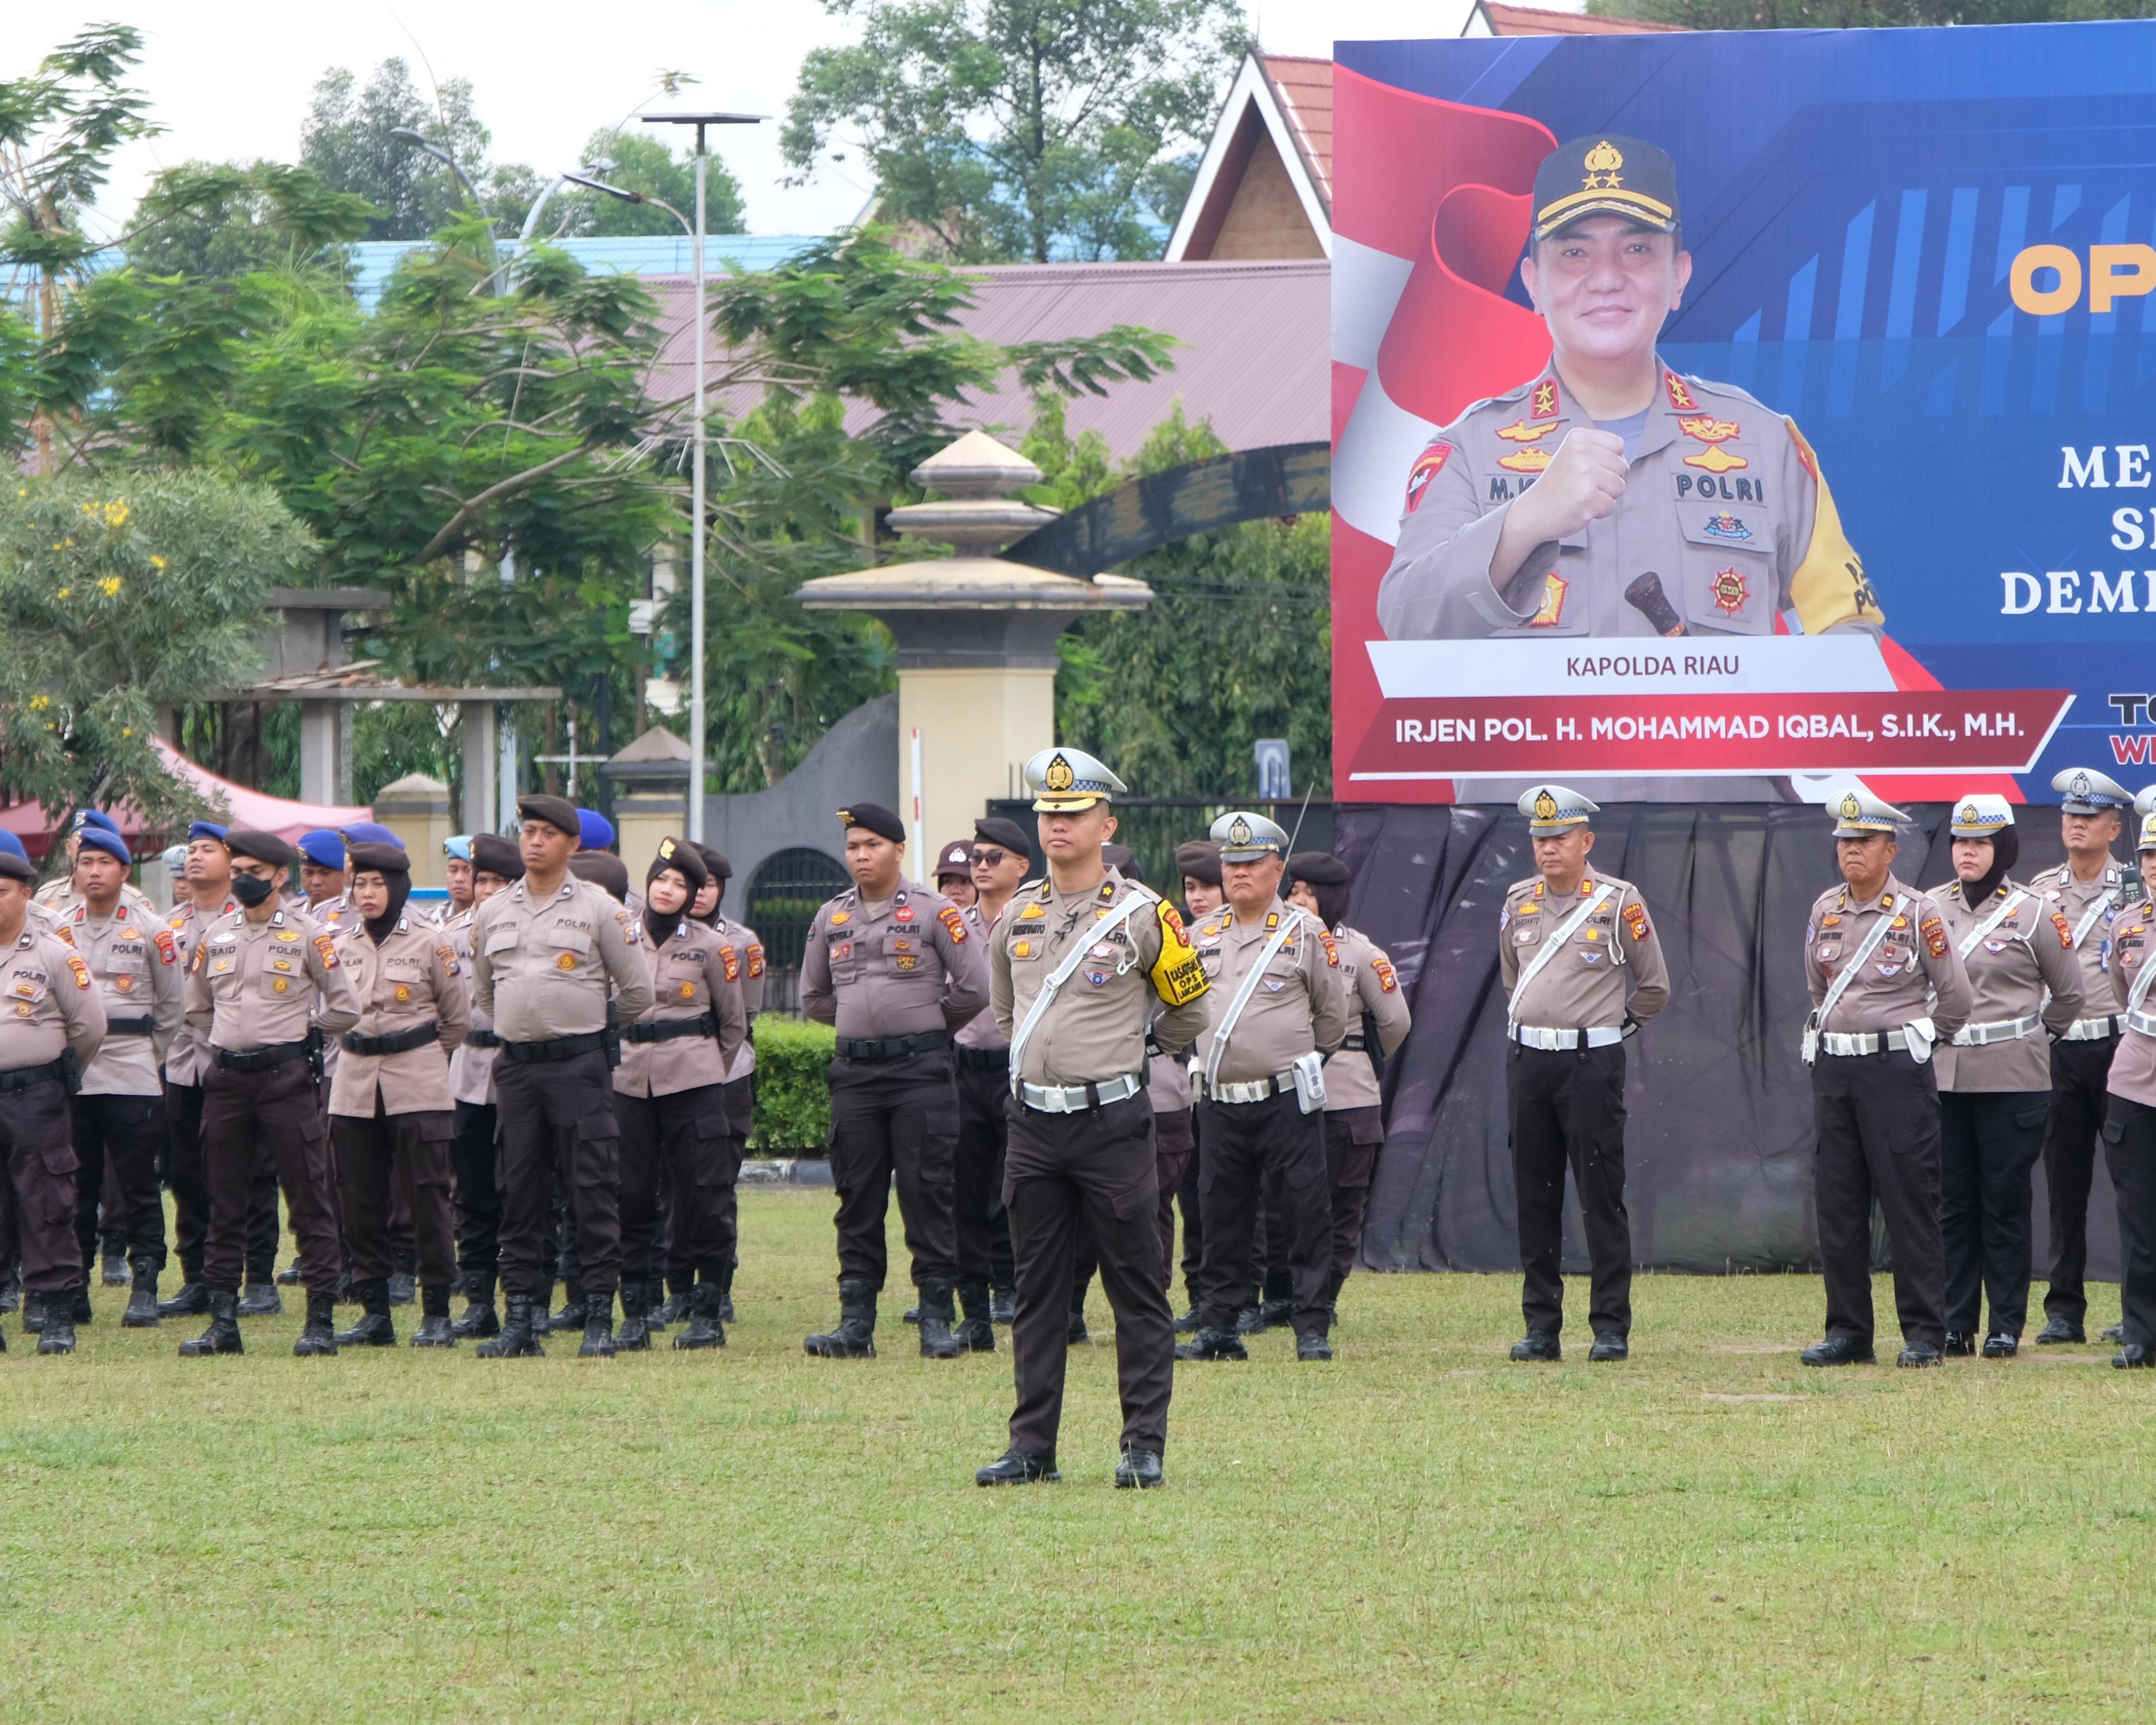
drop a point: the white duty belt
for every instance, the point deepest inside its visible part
(1552, 1041)
(1836, 1042)
(1998, 1030)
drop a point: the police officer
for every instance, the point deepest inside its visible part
(321, 869)
(495, 864)
(739, 1091)
(2129, 1126)
(1378, 1022)
(265, 987)
(1886, 986)
(897, 969)
(2087, 889)
(1275, 1011)
(1079, 961)
(392, 1114)
(668, 1098)
(1995, 1074)
(53, 1029)
(63, 896)
(954, 872)
(457, 878)
(119, 1112)
(548, 954)
(1197, 862)
(1610, 495)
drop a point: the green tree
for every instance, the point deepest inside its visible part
(221, 221)
(346, 139)
(58, 128)
(637, 162)
(1021, 129)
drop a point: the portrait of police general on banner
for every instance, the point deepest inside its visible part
(1765, 408)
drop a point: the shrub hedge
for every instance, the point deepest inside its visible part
(792, 1095)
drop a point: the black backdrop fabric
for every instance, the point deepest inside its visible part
(1719, 1144)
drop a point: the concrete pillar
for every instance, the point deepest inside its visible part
(480, 811)
(318, 751)
(978, 725)
(417, 808)
(651, 782)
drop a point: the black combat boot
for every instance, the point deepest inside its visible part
(79, 1306)
(289, 1276)
(223, 1335)
(141, 1312)
(34, 1313)
(115, 1271)
(403, 1288)
(1074, 1329)
(435, 1331)
(936, 1341)
(635, 1335)
(655, 1319)
(1003, 1304)
(727, 1295)
(599, 1342)
(57, 1335)
(190, 1300)
(318, 1336)
(676, 1308)
(705, 1329)
(481, 1320)
(514, 1340)
(854, 1336)
(261, 1300)
(1277, 1304)
(11, 1292)
(376, 1328)
(571, 1316)
(1213, 1344)
(979, 1333)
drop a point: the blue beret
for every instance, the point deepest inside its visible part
(367, 832)
(459, 847)
(205, 829)
(322, 848)
(94, 818)
(111, 844)
(594, 831)
(10, 845)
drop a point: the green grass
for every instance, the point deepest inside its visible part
(1419, 1530)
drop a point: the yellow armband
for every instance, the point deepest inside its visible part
(1178, 976)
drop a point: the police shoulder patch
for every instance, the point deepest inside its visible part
(756, 958)
(1389, 979)
(168, 949)
(732, 961)
(80, 970)
(1636, 919)
(1331, 949)
(2065, 933)
(953, 918)
(325, 950)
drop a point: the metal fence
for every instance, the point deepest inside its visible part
(789, 888)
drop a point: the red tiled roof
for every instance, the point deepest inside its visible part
(1534, 20)
(1305, 89)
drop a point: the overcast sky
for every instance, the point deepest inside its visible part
(231, 79)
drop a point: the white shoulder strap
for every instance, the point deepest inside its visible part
(2090, 916)
(1969, 940)
(1081, 938)
(2139, 992)
(1839, 985)
(1550, 950)
(1243, 996)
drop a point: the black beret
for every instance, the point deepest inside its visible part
(263, 847)
(1321, 868)
(715, 862)
(1123, 861)
(1198, 861)
(994, 829)
(382, 859)
(16, 868)
(602, 868)
(493, 855)
(681, 856)
(558, 812)
(876, 818)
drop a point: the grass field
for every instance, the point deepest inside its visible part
(1419, 1530)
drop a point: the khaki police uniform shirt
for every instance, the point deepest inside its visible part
(914, 965)
(255, 985)
(1582, 987)
(1724, 501)
(745, 940)
(2074, 900)
(546, 969)
(1298, 1004)
(63, 900)
(693, 973)
(1095, 1030)
(471, 1069)
(136, 963)
(52, 1003)
(188, 1057)
(2133, 1061)
(1914, 971)
(2025, 966)
(335, 915)
(1372, 987)
(981, 1031)
(413, 977)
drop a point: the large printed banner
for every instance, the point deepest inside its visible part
(1888, 510)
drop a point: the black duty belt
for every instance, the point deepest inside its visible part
(397, 1042)
(22, 1077)
(130, 1027)
(260, 1060)
(561, 1047)
(482, 1038)
(892, 1048)
(672, 1030)
(984, 1059)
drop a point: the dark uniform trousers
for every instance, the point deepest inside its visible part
(2079, 1106)
(1190, 1199)
(1566, 1108)
(1250, 1146)
(473, 1160)
(1094, 1170)
(1877, 1120)
(2129, 1152)
(38, 1204)
(896, 1117)
(740, 1095)
(124, 1134)
(243, 1113)
(984, 1243)
(1352, 1136)
(557, 1122)
(683, 1142)
(1171, 1137)
(183, 1174)
(1988, 1147)
(377, 1160)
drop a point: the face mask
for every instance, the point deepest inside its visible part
(251, 890)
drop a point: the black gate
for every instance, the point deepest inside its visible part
(1153, 826)
(789, 888)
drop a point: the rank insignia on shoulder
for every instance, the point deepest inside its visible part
(953, 918)
(1544, 406)
(1679, 392)
(80, 970)
(325, 949)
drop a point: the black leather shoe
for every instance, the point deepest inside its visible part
(191, 1300)
(598, 1342)
(1610, 1347)
(1074, 1331)
(289, 1276)
(2057, 1330)
(1959, 1345)
(1918, 1355)
(1014, 1467)
(141, 1312)
(516, 1341)
(1310, 1345)
(1213, 1344)
(2001, 1347)
(1838, 1351)
(404, 1288)
(1187, 1325)
(318, 1337)
(1541, 1345)
(2131, 1354)
(1140, 1469)
(1003, 1305)
(261, 1300)
(113, 1271)
(223, 1335)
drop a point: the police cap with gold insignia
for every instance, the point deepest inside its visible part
(1245, 837)
(873, 817)
(1858, 815)
(1603, 174)
(1064, 781)
(1978, 815)
(379, 859)
(555, 812)
(2082, 790)
(2145, 802)
(1552, 808)
(681, 856)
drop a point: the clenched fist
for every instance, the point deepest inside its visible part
(1582, 484)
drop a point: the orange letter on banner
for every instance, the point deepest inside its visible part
(2119, 272)
(2022, 280)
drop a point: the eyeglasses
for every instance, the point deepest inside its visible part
(991, 858)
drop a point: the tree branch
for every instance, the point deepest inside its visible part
(502, 488)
